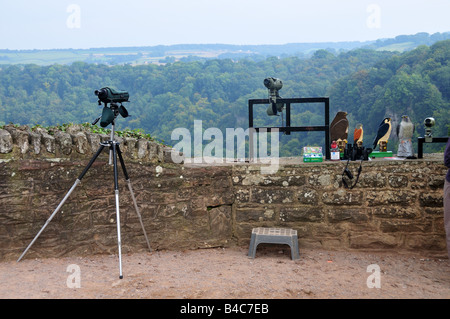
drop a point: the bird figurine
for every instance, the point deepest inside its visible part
(339, 127)
(382, 137)
(358, 135)
(405, 131)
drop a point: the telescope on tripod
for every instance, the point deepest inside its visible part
(109, 115)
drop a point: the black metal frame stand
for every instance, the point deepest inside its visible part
(421, 140)
(288, 128)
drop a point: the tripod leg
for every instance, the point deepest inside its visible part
(64, 200)
(127, 178)
(116, 191)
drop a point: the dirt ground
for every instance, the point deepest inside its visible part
(227, 273)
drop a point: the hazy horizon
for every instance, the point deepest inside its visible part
(51, 24)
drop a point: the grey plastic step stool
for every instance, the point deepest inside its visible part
(274, 236)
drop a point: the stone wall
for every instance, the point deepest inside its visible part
(76, 142)
(396, 204)
(181, 208)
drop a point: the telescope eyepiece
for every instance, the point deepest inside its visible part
(429, 122)
(102, 93)
(273, 83)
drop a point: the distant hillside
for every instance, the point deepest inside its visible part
(367, 83)
(162, 54)
(404, 43)
(415, 83)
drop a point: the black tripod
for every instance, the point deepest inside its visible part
(114, 153)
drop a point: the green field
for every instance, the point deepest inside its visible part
(107, 56)
(188, 52)
(398, 47)
(41, 57)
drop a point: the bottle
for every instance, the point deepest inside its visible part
(335, 153)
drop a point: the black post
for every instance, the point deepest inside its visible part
(250, 113)
(420, 141)
(288, 117)
(327, 129)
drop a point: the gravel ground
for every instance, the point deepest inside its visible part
(227, 273)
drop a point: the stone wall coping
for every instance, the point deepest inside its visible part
(22, 142)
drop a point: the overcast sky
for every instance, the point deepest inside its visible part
(50, 24)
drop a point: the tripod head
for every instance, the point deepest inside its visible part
(119, 109)
(110, 113)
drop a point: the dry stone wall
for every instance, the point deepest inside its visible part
(396, 205)
(76, 142)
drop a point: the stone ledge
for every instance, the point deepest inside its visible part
(76, 142)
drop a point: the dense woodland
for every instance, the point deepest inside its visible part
(366, 83)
